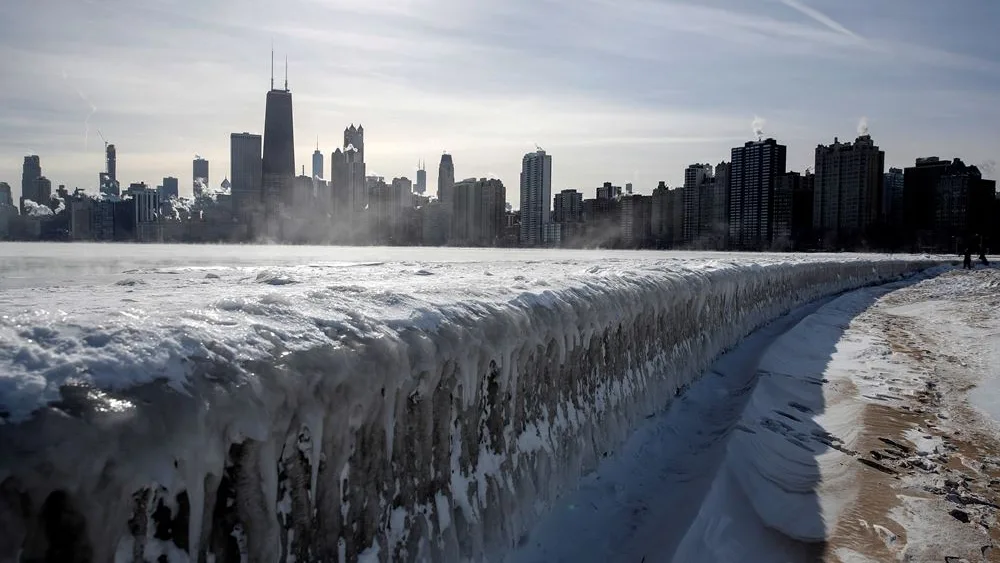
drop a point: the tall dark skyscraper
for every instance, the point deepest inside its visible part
(317, 163)
(111, 161)
(355, 137)
(169, 189)
(245, 171)
(421, 186)
(446, 180)
(278, 162)
(30, 172)
(753, 175)
(199, 174)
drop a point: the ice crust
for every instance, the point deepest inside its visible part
(343, 413)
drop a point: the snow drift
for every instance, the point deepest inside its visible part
(314, 425)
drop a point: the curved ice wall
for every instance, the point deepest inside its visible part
(440, 438)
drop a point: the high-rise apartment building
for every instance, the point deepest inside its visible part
(848, 193)
(753, 171)
(698, 183)
(245, 171)
(892, 197)
(568, 207)
(536, 196)
(199, 176)
(636, 220)
(961, 204)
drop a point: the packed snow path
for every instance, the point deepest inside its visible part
(335, 407)
(844, 431)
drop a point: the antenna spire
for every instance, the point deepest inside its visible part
(272, 65)
(317, 142)
(286, 73)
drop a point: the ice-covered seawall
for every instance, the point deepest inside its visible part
(291, 420)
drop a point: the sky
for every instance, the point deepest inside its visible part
(615, 90)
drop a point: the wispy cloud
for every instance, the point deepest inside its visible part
(820, 17)
(612, 88)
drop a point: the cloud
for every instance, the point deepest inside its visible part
(820, 17)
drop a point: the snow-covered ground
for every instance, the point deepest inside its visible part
(319, 403)
(849, 430)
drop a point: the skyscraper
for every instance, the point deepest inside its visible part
(421, 187)
(753, 172)
(169, 189)
(892, 197)
(43, 190)
(317, 163)
(355, 137)
(199, 175)
(111, 162)
(30, 172)
(6, 197)
(848, 191)
(245, 171)
(278, 162)
(536, 196)
(698, 180)
(446, 180)
(568, 207)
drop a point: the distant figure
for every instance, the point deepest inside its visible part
(967, 264)
(982, 258)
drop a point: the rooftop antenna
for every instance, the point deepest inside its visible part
(286, 73)
(272, 65)
(317, 142)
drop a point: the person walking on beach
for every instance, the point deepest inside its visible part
(967, 264)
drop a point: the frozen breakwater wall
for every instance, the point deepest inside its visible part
(304, 421)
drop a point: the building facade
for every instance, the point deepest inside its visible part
(848, 195)
(536, 197)
(568, 207)
(199, 174)
(753, 172)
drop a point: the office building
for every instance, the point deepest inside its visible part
(446, 180)
(169, 189)
(355, 137)
(278, 158)
(245, 169)
(536, 196)
(43, 191)
(421, 187)
(848, 193)
(6, 196)
(753, 172)
(317, 162)
(199, 175)
(31, 171)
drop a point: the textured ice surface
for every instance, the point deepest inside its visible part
(315, 404)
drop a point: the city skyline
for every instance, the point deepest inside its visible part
(640, 113)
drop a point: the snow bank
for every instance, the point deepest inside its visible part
(298, 421)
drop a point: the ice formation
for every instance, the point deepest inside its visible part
(297, 418)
